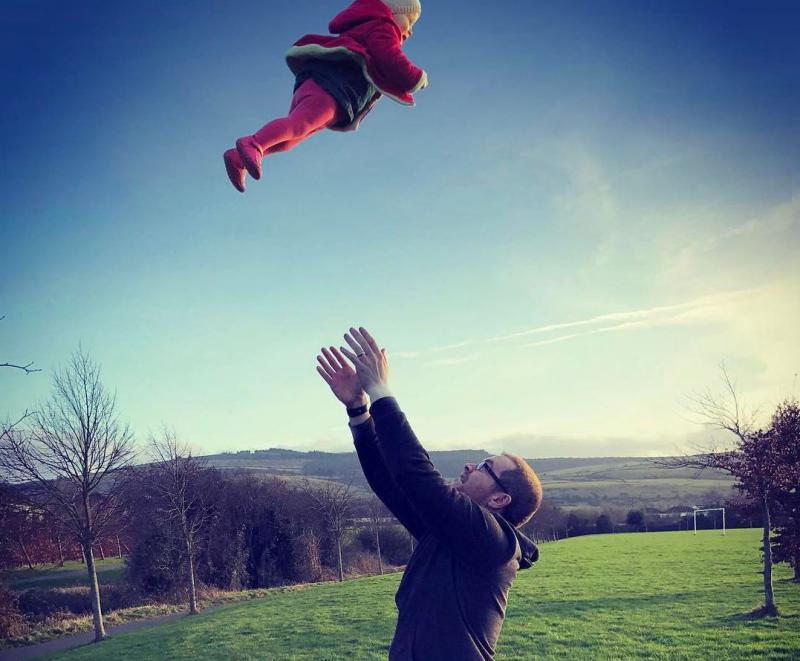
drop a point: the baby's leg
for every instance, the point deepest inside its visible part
(288, 144)
(312, 109)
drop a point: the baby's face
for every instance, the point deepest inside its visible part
(405, 22)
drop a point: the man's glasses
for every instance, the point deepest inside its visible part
(484, 466)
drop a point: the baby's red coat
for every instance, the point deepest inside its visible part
(365, 32)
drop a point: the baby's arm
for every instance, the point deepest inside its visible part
(388, 56)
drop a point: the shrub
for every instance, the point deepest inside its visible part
(154, 565)
(395, 545)
(604, 524)
(362, 564)
(309, 564)
(12, 622)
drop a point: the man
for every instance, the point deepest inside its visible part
(452, 599)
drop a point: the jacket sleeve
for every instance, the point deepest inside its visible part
(381, 481)
(389, 59)
(469, 530)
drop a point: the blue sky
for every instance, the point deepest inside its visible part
(590, 208)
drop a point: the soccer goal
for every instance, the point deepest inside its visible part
(696, 511)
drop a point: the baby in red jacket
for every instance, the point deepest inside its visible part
(338, 79)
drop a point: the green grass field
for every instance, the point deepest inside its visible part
(656, 596)
(72, 573)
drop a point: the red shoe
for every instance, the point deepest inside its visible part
(251, 155)
(235, 169)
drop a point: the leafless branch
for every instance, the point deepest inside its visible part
(724, 411)
(8, 427)
(25, 368)
(721, 411)
(73, 444)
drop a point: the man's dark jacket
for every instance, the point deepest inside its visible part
(452, 599)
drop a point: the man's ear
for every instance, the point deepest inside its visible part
(500, 500)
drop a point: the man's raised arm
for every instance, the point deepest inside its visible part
(467, 528)
(380, 479)
(345, 385)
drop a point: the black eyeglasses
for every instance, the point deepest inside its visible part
(484, 465)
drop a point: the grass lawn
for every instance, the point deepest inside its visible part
(72, 573)
(657, 596)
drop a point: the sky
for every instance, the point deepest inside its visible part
(591, 208)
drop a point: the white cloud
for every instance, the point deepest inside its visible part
(755, 251)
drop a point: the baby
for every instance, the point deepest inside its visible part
(338, 79)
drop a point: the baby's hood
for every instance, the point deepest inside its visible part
(530, 552)
(361, 11)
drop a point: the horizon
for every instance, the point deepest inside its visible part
(476, 450)
(573, 229)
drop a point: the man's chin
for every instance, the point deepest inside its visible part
(458, 485)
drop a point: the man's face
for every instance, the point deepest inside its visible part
(479, 484)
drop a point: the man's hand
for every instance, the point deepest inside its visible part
(370, 362)
(342, 379)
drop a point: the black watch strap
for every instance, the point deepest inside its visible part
(359, 410)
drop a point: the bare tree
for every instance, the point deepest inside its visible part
(72, 457)
(377, 512)
(175, 476)
(333, 502)
(750, 461)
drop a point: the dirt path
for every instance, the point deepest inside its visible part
(68, 642)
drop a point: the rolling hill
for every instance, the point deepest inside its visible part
(623, 482)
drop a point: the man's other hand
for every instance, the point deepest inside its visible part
(341, 378)
(370, 362)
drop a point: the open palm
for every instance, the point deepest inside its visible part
(341, 378)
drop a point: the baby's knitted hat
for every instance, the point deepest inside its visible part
(409, 7)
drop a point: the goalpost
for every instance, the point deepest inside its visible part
(695, 510)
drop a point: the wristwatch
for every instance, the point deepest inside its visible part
(359, 410)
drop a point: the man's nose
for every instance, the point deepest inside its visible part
(469, 467)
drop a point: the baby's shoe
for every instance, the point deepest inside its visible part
(235, 169)
(251, 154)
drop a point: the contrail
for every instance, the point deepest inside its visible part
(625, 320)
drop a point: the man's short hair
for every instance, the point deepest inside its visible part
(525, 490)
